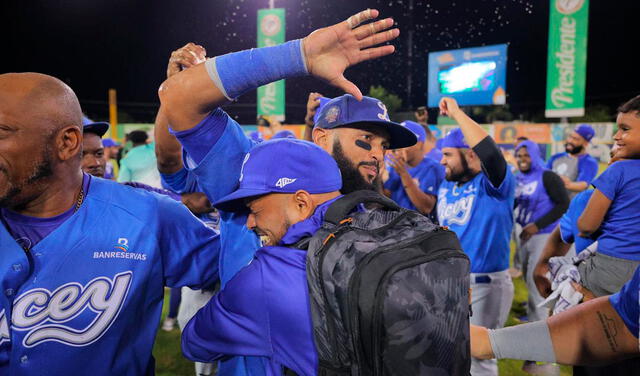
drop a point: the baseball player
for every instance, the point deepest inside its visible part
(264, 309)
(84, 260)
(413, 177)
(540, 201)
(476, 202)
(575, 166)
(216, 146)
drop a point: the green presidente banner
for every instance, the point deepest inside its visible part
(271, 33)
(567, 58)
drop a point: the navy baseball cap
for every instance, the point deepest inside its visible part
(283, 166)
(416, 128)
(99, 127)
(347, 112)
(585, 131)
(283, 134)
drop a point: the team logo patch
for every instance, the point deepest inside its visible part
(332, 114)
(284, 181)
(120, 251)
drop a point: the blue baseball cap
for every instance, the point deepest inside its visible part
(416, 128)
(454, 139)
(107, 143)
(283, 166)
(283, 134)
(585, 130)
(323, 102)
(346, 111)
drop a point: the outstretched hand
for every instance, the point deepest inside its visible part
(331, 50)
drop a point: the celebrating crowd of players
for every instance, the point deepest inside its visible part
(85, 260)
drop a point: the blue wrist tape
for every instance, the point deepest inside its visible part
(239, 72)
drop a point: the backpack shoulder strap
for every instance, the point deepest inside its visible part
(340, 208)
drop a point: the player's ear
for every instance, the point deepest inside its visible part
(304, 204)
(322, 138)
(68, 142)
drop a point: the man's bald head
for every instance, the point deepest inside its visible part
(41, 136)
(47, 101)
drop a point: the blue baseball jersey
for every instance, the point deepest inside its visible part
(482, 217)
(428, 174)
(627, 303)
(87, 298)
(569, 221)
(620, 183)
(218, 174)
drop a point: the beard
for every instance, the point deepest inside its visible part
(572, 149)
(465, 173)
(352, 179)
(42, 169)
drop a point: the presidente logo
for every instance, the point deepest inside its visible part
(120, 251)
(569, 6)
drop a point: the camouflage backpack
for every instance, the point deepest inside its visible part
(389, 292)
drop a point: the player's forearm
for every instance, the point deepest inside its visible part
(554, 247)
(424, 202)
(473, 132)
(168, 149)
(577, 186)
(190, 95)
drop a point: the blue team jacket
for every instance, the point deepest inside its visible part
(86, 300)
(263, 310)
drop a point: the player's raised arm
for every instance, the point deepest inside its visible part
(168, 149)
(326, 53)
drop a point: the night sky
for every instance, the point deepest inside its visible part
(94, 45)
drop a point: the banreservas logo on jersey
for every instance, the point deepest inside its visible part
(120, 251)
(57, 315)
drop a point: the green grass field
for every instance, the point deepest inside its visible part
(170, 362)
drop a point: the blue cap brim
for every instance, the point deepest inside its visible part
(399, 135)
(99, 128)
(235, 201)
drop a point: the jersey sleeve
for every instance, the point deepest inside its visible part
(588, 168)
(189, 249)
(234, 322)
(610, 181)
(627, 303)
(219, 171)
(550, 162)
(504, 190)
(177, 181)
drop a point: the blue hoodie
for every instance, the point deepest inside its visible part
(263, 310)
(532, 200)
